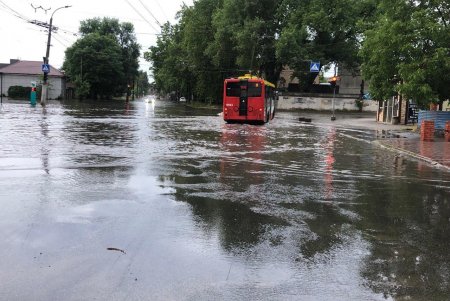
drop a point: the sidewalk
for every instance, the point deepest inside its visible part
(400, 138)
(435, 152)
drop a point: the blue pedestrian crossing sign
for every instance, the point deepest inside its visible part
(45, 68)
(314, 67)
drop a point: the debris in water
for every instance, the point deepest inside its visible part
(305, 119)
(115, 249)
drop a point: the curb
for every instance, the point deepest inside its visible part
(412, 154)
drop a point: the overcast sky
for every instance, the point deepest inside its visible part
(25, 41)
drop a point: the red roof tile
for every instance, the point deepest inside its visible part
(29, 68)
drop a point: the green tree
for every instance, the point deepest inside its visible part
(95, 62)
(125, 37)
(83, 87)
(321, 30)
(142, 86)
(198, 35)
(215, 39)
(169, 61)
(407, 51)
(245, 37)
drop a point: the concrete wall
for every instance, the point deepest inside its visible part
(55, 83)
(288, 102)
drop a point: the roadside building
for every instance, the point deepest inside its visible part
(349, 94)
(23, 73)
(396, 110)
(352, 83)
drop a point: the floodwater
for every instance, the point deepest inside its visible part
(133, 201)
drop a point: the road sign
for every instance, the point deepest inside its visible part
(45, 68)
(314, 67)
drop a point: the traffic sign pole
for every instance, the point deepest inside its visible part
(333, 82)
(333, 117)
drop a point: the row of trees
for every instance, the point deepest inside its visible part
(407, 50)
(400, 45)
(104, 62)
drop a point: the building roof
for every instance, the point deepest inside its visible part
(29, 68)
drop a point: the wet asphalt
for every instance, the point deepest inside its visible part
(116, 201)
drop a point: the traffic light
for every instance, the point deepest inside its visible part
(333, 80)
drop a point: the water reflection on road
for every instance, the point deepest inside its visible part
(206, 210)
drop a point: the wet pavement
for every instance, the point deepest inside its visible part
(435, 152)
(114, 201)
(403, 139)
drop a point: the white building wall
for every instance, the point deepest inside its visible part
(55, 83)
(324, 104)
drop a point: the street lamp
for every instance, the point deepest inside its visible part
(47, 54)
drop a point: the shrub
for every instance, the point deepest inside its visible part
(19, 92)
(359, 103)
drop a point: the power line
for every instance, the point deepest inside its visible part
(162, 10)
(146, 8)
(60, 42)
(143, 18)
(66, 31)
(31, 21)
(43, 24)
(14, 12)
(63, 38)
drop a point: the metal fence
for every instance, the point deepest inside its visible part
(439, 118)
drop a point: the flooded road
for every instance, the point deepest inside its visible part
(138, 202)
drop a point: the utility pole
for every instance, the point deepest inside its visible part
(46, 70)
